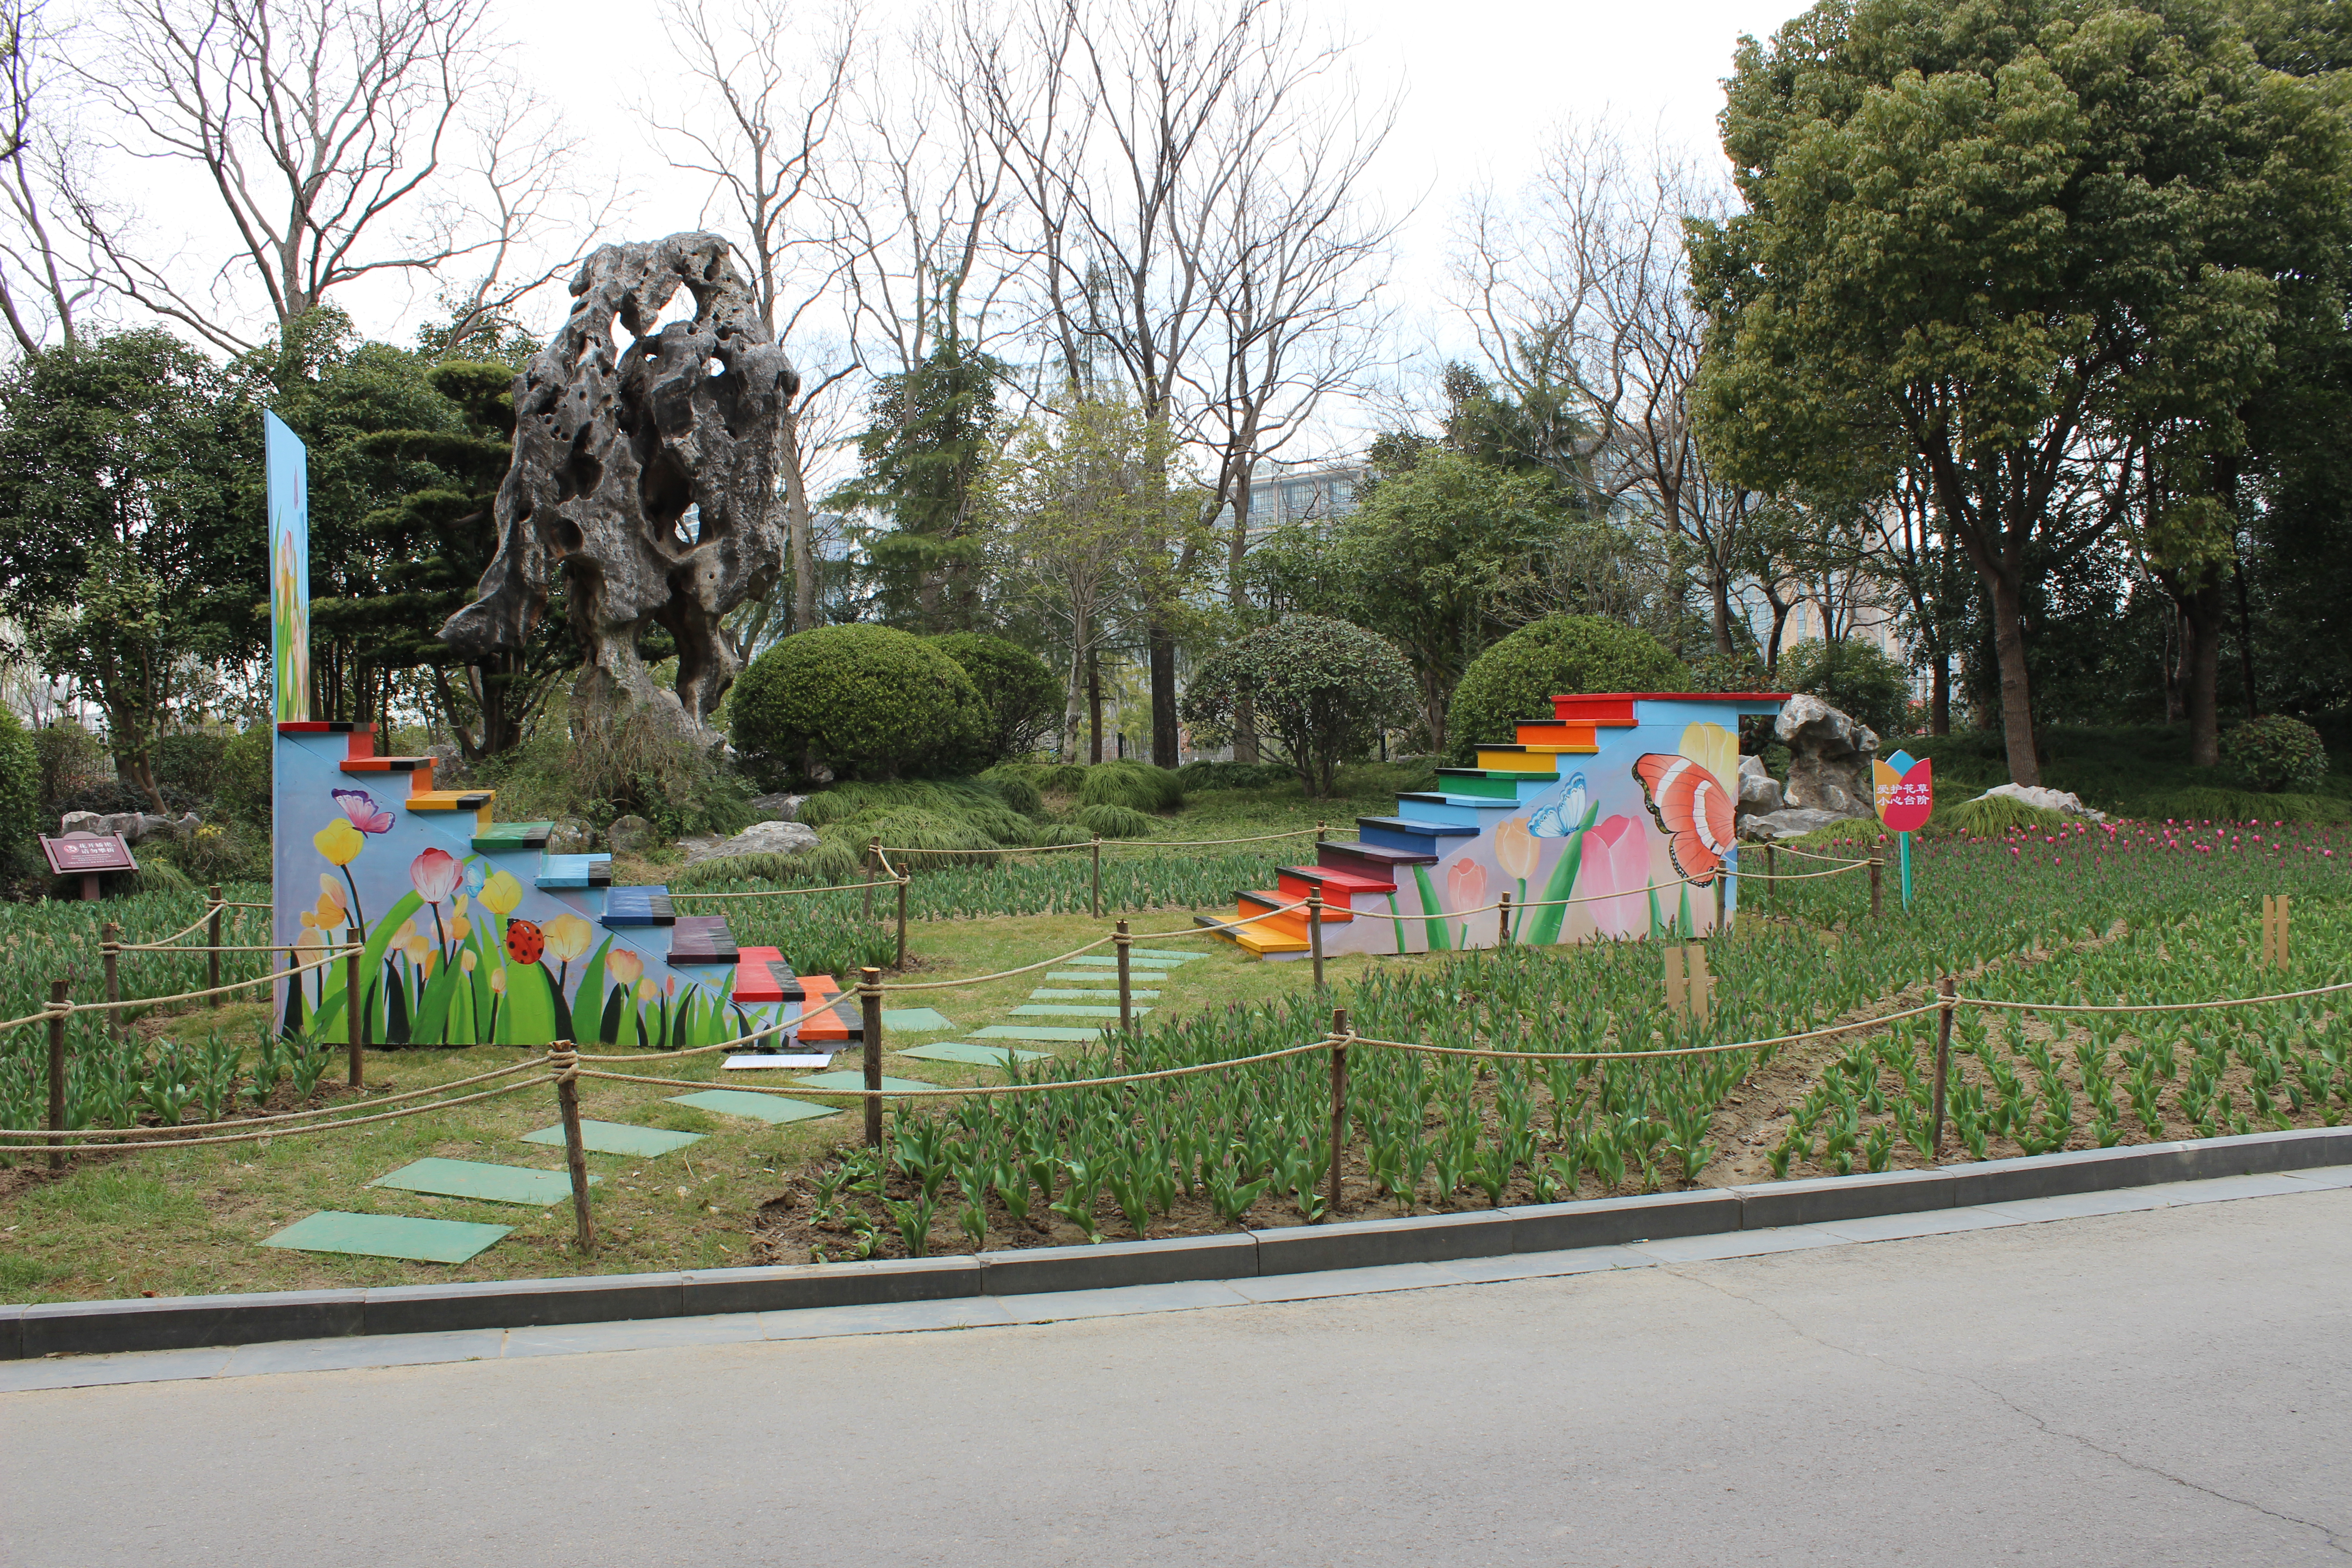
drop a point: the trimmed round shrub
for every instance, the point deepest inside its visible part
(1113, 821)
(2274, 753)
(1854, 677)
(1023, 700)
(1138, 786)
(20, 794)
(1514, 681)
(869, 701)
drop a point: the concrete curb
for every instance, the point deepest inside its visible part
(94, 1327)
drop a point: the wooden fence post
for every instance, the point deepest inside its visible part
(870, 1004)
(109, 948)
(873, 869)
(1319, 830)
(1722, 899)
(1118, 940)
(564, 1058)
(355, 1013)
(56, 1075)
(1098, 876)
(1338, 1111)
(213, 938)
(1503, 921)
(903, 881)
(1875, 864)
(1771, 871)
(1944, 991)
(1315, 932)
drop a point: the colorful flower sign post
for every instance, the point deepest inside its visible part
(1906, 795)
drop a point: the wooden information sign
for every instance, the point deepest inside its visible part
(85, 855)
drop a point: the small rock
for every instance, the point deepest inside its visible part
(1760, 792)
(2047, 799)
(631, 836)
(88, 822)
(185, 828)
(569, 835)
(1792, 823)
(153, 826)
(778, 807)
(760, 838)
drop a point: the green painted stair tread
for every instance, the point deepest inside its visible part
(1156, 965)
(772, 1107)
(1046, 1032)
(619, 1138)
(1168, 954)
(1051, 993)
(1071, 1010)
(977, 1056)
(388, 1235)
(850, 1078)
(1097, 977)
(478, 1179)
(917, 1020)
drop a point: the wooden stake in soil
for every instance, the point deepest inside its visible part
(873, 870)
(2274, 949)
(869, 1004)
(355, 1013)
(1098, 876)
(109, 948)
(56, 1074)
(1944, 990)
(212, 938)
(1315, 932)
(1503, 922)
(1690, 990)
(1338, 1111)
(1771, 869)
(1319, 830)
(903, 881)
(1722, 883)
(1120, 939)
(565, 1060)
(1875, 864)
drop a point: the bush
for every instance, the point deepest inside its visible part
(870, 702)
(1196, 776)
(1559, 656)
(1113, 821)
(1992, 816)
(2274, 754)
(1022, 699)
(1321, 691)
(1854, 677)
(245, 775)
(71, 759)
(193, 762)
(1138, 786)
(216, 852)
(20, 794)
(1015, 789)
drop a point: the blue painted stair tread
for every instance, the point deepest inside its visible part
(915, 1020)
(754, 1060)
(476, 1179)
(977, 1056)
(388, 1235)
(773, 1108)
(573, 871)
(1070, 1010)
(646, 906)
(1046, 1032)
(618, 1138)
(702, 939)
(1071, 994)
(850, 1078)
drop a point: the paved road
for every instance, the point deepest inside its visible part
(2165, 1387)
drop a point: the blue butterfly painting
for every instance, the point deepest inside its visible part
(1559, 810)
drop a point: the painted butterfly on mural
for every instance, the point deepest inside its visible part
(1691, 810)
(1559, 810)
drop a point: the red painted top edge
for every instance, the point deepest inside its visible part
(1672, 696)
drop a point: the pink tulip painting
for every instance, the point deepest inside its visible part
(1465, 888)
(361, 809)
(435, 875)
(1617, 868)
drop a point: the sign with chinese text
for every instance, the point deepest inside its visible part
(1906, 790)
(79, 853)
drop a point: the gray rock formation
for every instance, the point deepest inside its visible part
(630, 835)
(1793, 823)
(650, 476)
(1829, 759)
(2058, 800)
(760, 838)
(136, 827)
(81, 822)
(1760, 792)
(778, 808)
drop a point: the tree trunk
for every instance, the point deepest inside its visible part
(1237, 555)
(1093, 708)
(2245, 633)
(1940, 694)
(2200, 666)
(2016, 685)
(1719, 586)
(1074, 698)
(1161, 649)
(800, 531)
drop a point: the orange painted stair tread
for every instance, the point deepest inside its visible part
(1257, 903)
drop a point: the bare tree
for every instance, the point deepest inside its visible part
(769, 105)
(1578, 292)
(41, 289)
(340, 140)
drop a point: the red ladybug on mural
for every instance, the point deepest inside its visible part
(525, 942)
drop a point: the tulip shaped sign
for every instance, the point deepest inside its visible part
(1906, 791)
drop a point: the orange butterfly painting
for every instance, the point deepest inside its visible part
(1692, 810)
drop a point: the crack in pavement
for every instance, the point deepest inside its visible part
(2334, 1541)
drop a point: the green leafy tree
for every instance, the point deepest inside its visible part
(130, 642)
(1992, 237)
(1319, 692)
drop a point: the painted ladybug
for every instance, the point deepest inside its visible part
(525, 942)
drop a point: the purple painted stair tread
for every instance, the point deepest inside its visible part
(702, 939)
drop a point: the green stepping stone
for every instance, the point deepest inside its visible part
(618, 1138)
(1095, 976)
(1071, 1010)
(1034, 1031)
(979, 1055)
(916, 1019)
(1047, 994)
(851, 1078)
(388, 1235)
(1135, 961)
(775, 1108)
(1172, 954)
(475, 1179)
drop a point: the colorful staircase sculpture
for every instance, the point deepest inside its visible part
(546, 926)
(1534, 818)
